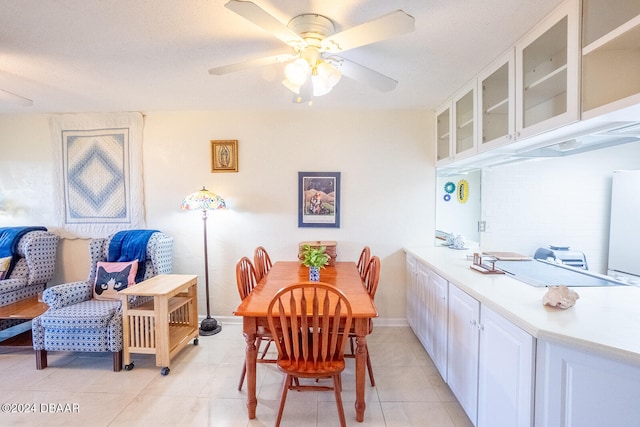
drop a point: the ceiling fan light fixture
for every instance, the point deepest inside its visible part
(329, 73)
(320, 85)
(297, 71)
(305, 93)
(312, 38)
(292, 87)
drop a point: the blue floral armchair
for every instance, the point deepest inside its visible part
(35, 266)
(76, 321)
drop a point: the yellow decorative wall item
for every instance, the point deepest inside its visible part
(463, 191)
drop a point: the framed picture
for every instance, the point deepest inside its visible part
(319, 199)
(224, 156)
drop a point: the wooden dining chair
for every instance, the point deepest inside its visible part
(363, 261)
(262, 262)
(371, 279)
(306, 320)
(246, 281)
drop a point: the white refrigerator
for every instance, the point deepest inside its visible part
(624, 231)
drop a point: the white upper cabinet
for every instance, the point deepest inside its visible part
(547, 73)
(531, 89)
(611, 56)
(443, 135)
(456, 137)
(496, 103)
(464, 123)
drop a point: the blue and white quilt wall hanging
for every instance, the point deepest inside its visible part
(99, 172)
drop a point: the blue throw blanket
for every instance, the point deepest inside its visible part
(9, 239)
(129, 245)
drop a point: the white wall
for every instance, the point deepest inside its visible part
(388, 181)
(558, 201)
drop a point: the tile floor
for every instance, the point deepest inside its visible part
(79, 389)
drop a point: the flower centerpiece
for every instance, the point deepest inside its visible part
(315, 258)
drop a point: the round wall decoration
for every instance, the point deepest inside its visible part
(447, 197)
(449, 187)
(463, 191)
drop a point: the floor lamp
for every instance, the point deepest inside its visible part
(205, 200)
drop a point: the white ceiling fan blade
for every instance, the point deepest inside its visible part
(367, 75)
(387, 26)
(232, 68)
(15, 99)
(254, 13)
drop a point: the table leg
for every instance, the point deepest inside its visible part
(250, 361)
(161, 312)
(361, 329)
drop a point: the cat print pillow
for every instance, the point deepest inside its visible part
(112, 277)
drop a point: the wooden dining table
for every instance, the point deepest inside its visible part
(253, 309)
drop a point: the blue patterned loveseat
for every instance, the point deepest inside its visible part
(76, 321)
(35, 266)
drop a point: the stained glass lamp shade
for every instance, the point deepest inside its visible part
(203, 200)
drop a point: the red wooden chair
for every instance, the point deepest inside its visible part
(306, 320)
(372, 276)
(246, 281)
(363, 261)
(261, 262)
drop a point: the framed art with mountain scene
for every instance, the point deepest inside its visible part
(319, 199)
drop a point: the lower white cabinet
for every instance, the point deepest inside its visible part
(463, 351)
(490, 364)
(579, 388)
(420, 299)
(437, 313)
(487, 361)
(412, 280)
(506, 373)
(427, 311)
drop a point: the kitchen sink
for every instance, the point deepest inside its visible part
(542, 273)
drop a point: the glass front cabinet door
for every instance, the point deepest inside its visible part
(496, 103)
(611, 56)
(443, 134)
(464, 124)
(547, 73)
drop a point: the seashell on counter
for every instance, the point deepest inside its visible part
(560, 296)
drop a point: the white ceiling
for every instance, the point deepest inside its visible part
(150, 55)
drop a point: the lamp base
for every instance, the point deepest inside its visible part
(209, 326)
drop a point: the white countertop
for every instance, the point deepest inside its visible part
(605, 319)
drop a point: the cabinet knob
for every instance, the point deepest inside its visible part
(473, 322)
(509, 137)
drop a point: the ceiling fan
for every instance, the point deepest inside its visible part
(10, 97)
(313, 65)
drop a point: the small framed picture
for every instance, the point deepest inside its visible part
(224, 156)
(319, 199)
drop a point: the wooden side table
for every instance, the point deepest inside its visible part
(25, 309)
(164, 325)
